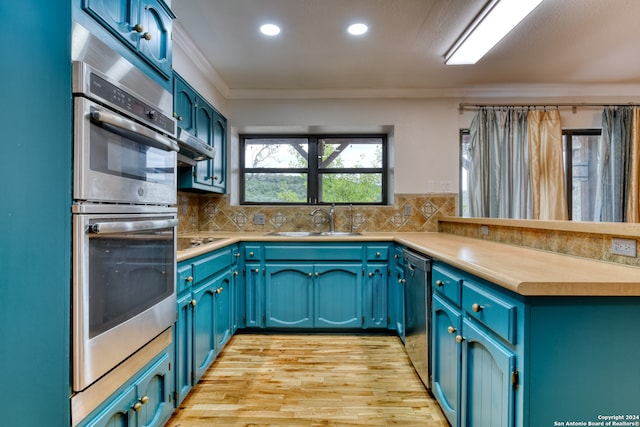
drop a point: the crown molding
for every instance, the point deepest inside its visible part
(184, 42)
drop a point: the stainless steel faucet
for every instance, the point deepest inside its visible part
(330, 214)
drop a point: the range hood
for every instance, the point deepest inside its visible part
(192, 149)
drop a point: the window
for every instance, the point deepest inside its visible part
(580, 148)
(581, 172)
(313, 169)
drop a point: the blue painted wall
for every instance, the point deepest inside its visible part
(35, 222)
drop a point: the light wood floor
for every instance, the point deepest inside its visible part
(310, 380)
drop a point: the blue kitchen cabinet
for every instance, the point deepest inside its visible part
(195, 115)
(289, 295)
(223, 324)
(238, 293)
(142, 26)
(395, 291)
(337, 290)
(446, 358)
(205, 287)
(376, 312)
(477, 349)
(253, 277)
(488, 369)
(145, 400)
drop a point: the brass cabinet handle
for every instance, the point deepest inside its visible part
(146, 36)
(459, 339)
(257, 270)
(177, 117)
(310, 274)
(235, 273)
(189, 279)
(218, 291)
(476, 307)
(401, 281)
(237, 254)
(138, 28)
(215, 178)
(137, 406)
(250, 254)
(451, 330)
(144, 399)
(439, 283)
(377, 254)
(193, 303)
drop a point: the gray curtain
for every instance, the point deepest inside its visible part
(614, 165)
(499, 185)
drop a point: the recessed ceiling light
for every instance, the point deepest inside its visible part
(270, 30)
(357, 29)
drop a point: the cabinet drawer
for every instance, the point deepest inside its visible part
(184, 278)
(377, 253)
(313, 252)
(447, 283)
(496, 313)
(211, 264)
(252, 253)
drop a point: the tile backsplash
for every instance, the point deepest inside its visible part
(410, 212)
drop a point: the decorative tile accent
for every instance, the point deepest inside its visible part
(428, 209)
(278, 220)
(358, 220)
(210, 209)
(240, 219)
(397, 220)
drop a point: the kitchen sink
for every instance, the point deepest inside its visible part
(313, 233)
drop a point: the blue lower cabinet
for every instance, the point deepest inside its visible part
(337, 291)
(254, 309)
(289, 295)
(223, 309)
(446, 358)
(488, 396)
(183, 343)
(376, 312)
(204, 341)
(395, 299)
(145, 402)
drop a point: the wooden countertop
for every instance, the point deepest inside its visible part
(526, 271)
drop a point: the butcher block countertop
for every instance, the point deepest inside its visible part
(528, 272)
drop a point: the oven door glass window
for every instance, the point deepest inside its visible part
(119, 156)
(129, 273)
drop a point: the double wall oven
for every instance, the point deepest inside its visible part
(124, 211)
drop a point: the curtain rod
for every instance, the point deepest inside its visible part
(557, 105)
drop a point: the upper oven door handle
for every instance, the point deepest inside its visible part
(132, 130)
(128, 226)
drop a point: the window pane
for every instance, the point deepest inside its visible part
(584, 173)
(276, 153)
(465, 161)
(351, 188)
(350, 153)
(275, 188)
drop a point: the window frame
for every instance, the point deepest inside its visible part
(313, 170)
(567, 135)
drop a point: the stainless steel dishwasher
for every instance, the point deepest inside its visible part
(417, 300)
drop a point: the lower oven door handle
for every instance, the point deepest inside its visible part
(124, 227)
(134, 131)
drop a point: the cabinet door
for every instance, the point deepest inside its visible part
(222, 310)
(289, 295)
(155, 39)
(396, 301)
(219, 163)
(184, 104)
(488, 395)
(118, 414)
(446, 358)
(237, 300)
(120, 17)
(183, 342)
(375, 296)
(254, 296)
(338, 295)
(153, 390)
(204, 342)
(203, 173)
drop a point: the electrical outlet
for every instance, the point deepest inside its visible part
(484, 230)
(407, 210)
(625, 247)
(259, 219)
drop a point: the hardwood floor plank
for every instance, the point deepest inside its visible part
(310, 380)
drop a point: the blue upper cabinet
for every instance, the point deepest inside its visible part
(195, 115)
(143, 26)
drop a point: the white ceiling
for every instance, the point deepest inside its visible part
(560, 47)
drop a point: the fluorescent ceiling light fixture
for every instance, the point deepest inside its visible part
(270, 30)
(490, 26)
(357, 29)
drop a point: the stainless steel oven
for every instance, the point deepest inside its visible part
(124, 219)
(123, 285)
(122, 153)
